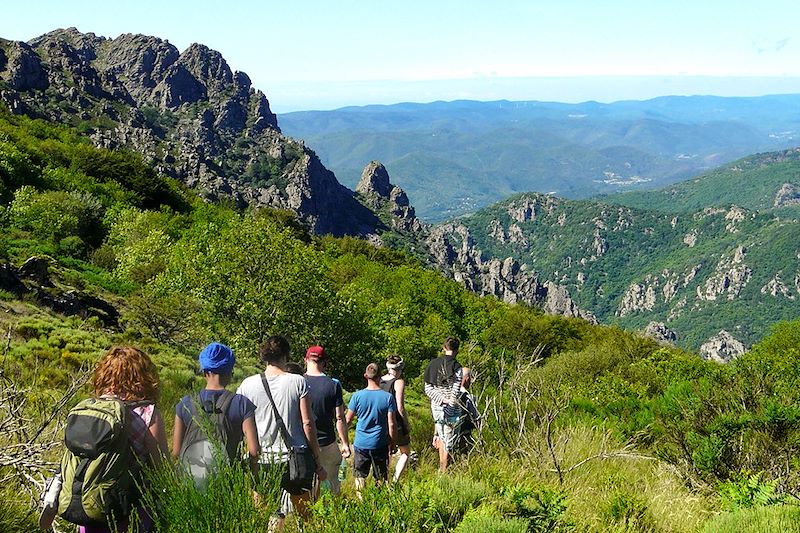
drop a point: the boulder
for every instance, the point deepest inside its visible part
(36, 269)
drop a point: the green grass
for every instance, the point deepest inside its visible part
(773, 519)
(16, 512)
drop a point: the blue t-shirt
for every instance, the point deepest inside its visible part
(239, 410)
(326, 395)
(372, 408)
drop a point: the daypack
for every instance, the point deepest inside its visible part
(208, 438)
(100, 470)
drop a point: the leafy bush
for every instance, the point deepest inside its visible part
(57, 215)
(628, 511)
(542, 508)
(748, 490)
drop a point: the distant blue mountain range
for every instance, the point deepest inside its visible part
(455, 157)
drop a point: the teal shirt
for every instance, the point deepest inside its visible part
(372, 408)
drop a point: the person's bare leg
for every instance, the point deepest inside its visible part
(444, 456)
(360, 484)
(276, 523)
(402, 459)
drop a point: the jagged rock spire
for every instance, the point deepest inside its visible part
(375, 180)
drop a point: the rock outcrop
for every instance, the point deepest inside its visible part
(378, 193)
(787, 195)
(660, 332)
(721, 348)
(32, 280)
(455, 252)
(729, 278)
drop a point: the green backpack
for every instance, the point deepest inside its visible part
(100, 470)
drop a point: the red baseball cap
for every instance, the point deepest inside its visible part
(316, 352)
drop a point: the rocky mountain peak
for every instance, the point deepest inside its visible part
(374, 181)
(377, 191)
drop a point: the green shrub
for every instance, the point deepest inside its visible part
(478, 520)
(748, 490)
(57, 215)
(542, 508)
(628, 511)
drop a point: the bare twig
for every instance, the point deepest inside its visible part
(26, 438)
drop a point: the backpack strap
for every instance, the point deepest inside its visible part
(281, 425)
(224, 402)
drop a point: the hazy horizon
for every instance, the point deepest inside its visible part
(317, 54)
(288, 97)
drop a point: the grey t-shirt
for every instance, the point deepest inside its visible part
(286, 389)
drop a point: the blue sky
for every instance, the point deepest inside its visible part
(323, 54)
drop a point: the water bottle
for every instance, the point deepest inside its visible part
(50, 498)
(342, 470)
(50, 502)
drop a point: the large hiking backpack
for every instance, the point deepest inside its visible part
(208, 438)
(100, 470)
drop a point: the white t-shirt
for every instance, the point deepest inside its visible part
(286, 389)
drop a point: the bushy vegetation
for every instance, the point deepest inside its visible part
(587, 428)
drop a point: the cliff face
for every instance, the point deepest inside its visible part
(188, 113)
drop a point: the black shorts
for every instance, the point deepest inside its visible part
(378, 460)
(403, 435)
(295, 488)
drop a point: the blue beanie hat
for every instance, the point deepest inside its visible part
(217, 358)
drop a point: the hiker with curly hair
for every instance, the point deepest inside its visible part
(108, 438)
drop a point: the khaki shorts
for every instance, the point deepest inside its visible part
(330, 457)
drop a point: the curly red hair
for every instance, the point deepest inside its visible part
(128, 373)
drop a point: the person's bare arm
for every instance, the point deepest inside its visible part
(392, 430)
(178, 430)
(251, 440)
(400, 397)
(341, 429)
(157, 438)
(310, 430)
(349, 417)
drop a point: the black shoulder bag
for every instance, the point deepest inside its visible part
(302, 465)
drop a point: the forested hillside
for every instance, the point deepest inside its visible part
(696, 271)
(763, 182)
(587, 428)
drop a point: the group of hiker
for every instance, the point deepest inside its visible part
(286, 420)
